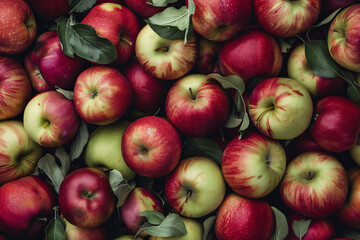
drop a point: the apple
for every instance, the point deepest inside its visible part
(280, 108)
(220, 20)
(15, 88)
(197, 105)
(314, 185)
(18, 27)
(101, 95)
(286, 18)
(243, 218)
(26, 207)
(49, 10)
(330, 6)
(85, 197)
(143, 8)
(49, 67)
(254, 165)
(128, 237)
(151, 146)
(343, 38)
(253, 53)
(355, 152)
(208, 56)
(103, 149)
(73, 232)
(116, 23)
(196, 187)
(50, 119)
(336, 127)
(163, 58)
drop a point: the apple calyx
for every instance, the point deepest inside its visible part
(89, 194)
(309, 175)
(93, 94)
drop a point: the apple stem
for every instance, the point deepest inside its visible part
(42, 219)
(188, 195)
(94, 94)
(309, 175)
(46, 124)
(192, 94)
(127, 41)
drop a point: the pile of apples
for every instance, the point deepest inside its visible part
(170, 119)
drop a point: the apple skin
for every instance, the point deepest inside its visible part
(15, 88)
(355, 152)
(220, 20)
(165, 59)
(243, 218)
(142, 8)
(253, 53)
(336, 128)
(298, 69)
(128, 237)
(102, 95)
(49, 67)
(344, 38)
(196, 187)
(25, 202)
(116, 23)
(103, 149)
(208, 56)
(314, 185)
(329, 6)
(85, 197)
(49, 10)
(286, 18)
(280, 108)
(197, 105)
(151, 146)
(50, 119)
(73, 232)
(18, 27)
(254, 165)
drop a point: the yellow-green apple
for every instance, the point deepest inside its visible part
(85, 197)
(18, 27)
(48, 10)
(194, 231)
(163, 58)
(128, 237)
(101, 95)
(298, 68)
(336, 127)
(116, 23)
(280, 108)
(103, 149)
(15, 88)
(49, 67)
(254, 165)
(243, 218)
(139, 200)
(197, 105)
(26, 207)
(143, 8)
(196, 187)
(206, 62)
(148, 92)
(73, 232)
(253, 53)
(355, 152)
(220, 20)
(349, 213)
(344, 38)
(19, 154)
(151, 146)
(286, 18)
(314, 185)
(50, 119)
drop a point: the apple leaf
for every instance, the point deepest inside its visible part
(120, 186)
(153, 217)
(48, 165)
(55, 230)
(202, 146)
(353, 91)
(160, 3)
(63, 28)
(66, 93)
(301, 227)
(79, 142)
(81, 5)
(208, 223)
(281, 227)
(64, 158)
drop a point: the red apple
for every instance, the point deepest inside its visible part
(208, 56)
(73, 232)
(49, 10)
(330, 6)
(143, 8)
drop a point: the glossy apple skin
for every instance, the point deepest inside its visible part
(196, 187)
(73, 232)
(243, 218)
(314, 185)
(18, 27)
(286, 18)
(253, 53)
(49, 10)
(344, 38)
(197, 105)
(142, 8)
(336, 127)
(355, 152)
(85, 197)
(163, 58)
(329, 6)
(208, 56)
(116, 23)
(254, 165)
(349, 214)
(49, 67)
(15, 88)
(280, 108)
(151, 146)
(102, 95)
(50, 119)
(24, 202)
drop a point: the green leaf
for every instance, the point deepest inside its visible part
(87, 44)
(55, 230)
(120, 186)
(353, 91)
(208, 223)
(63, 25)
(64, 158)
(301, 227)
(66, 93)
(48, 165)
(319, 59)
(202, 146)
(160, 3)
(172, 226)
(153, 217)
(281, 225)
(80, 6)
(79, 142)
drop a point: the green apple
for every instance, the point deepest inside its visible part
(128, 237)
